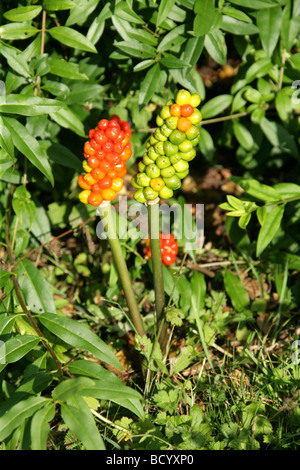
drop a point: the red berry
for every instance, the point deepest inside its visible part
(113, 159)
(93, 161)
(91, 133)
(103, 124)
(108, 146)
(113, 123)
(105, 183)
(114, 117)
(100, 154)
(104, 166)
(100, 137)
(118, 147)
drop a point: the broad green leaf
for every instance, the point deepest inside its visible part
(28, 105)
(287, 190)
(34, 287)
(206, 144)
(62, 155)
(79, 336)
(97, 27)
(41, 228)
(244, 220)
(124, 11)
(243, 135)
(215, 106)
(207, 17)
(172, 62)
(72, 38)
(16, 61)
(269, 228)
(165, 7)
(170, 38)
(192, 50)
(65, 117)
(145, 64)
(143, 36)
(237, 27)
(40, 427)
(216, 46)
(198, 286)
(17, 414)
(259, 190)
(81, 12)
(269, 25)
(22, 13)
(81, 422)
(65, 69)
(29, 146)
(283, 104)
(12, 31)
(255, 4)
(253, 95)
(15, 348)
(258, 69)
(149, 84)
(279, 137)
(5, 139)
(290, 24)
(23, 206)
(236, 291)
(235, 13)
(6, 322)
(83, 92)
(261, 213)
(54, 5)
(91, 369)
(136, 49)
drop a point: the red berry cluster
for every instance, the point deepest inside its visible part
(168, 247)
(106, 154)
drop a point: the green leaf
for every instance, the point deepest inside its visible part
(145, 64)
(65, 117)
(206, 144)
(261, 213)
(279, 137)
(81, 12)
(16, 61)
(259, 190)
(28, 105)
(15, 348)
(255, 4)
(198, 286)
(169, 40)
(136, 49)
(290, 24)
(258, 69)
(40, 427)
(65, 69)
(165, 7)
(23, 13)
(244, 220)
(54, 5)
(124, 11)
(72, 38)
(237, 27)
(5, 139)
(269, 25)
(216, 46)
(6, 322)
(149, 84)
(143, 36)
(243, 135)
(81, 422)
(17, 414)
(34, 287)
(269, 228)
(283, 104)
(253, 95)
(79, 336)
(287, 190)
(97, 27)
(29, 146)
(63, 156)
(215, 106)
(23, 206)
(207, 17)
(238, 14)
(236, 291)
(14, 31)
(192, 50)
(172, 62)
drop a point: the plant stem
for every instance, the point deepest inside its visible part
(105, 213)
(158, 280)
(224, 118)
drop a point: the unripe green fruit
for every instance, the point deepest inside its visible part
(146, 159)
(159, 136)
(152, 153)
(165, 112)
(152, 171)
(159, 148)
(173, 182)
(170, 149)
(182, 174)
(153, 140)
(165, 130)
(195, 141)
(172, 122)
(157, 184)
(139, 196)
(163, 162)
(166, 193)
(150, 194)
(192, 132)
(147, 145)
(167, 172)
(159, 120)
(175, 158)
(185, 146)
(196, 117)
(134, 182)
(141, 166)
(142, 179)
(195, 100)
(183, 97)
(188, 156)
(181, 166)
(177, 137)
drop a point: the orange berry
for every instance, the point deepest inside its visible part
(88, 149)
(117, 184)
(83, 183)
(126, 154)
(105, 183)
(112, 173)
(95, 199)
(122, 172)
(183, 124)
(108, 194)
(97, 174)
(104, 166)
(89, 179)
(175, 110)
(93, 161)
(186, 110)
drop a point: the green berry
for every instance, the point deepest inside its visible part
(139, 196)
(188, 156)
(170, 149)
(165, 130)
(147, 160)
(152, 153)
(150, 194)
(141, 166)
(173, 182)
(172, 122)
(185, 146)
(159, 148)
(175, 158)
(177, 137)
(181, 166)
(192, 132)
(165, 112)
(159, 136)
(182, 174)
(143, 179)
(152, 171)
(134, 182)
(163, 162)
(195, 141)
(166, 193)
(167, 172)
(153, 140)
(159, 120)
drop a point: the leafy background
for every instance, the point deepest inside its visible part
(229, 380)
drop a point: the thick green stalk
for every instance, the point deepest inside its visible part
(107, 219)
(158, 280)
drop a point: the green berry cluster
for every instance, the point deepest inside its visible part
(169, 149)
